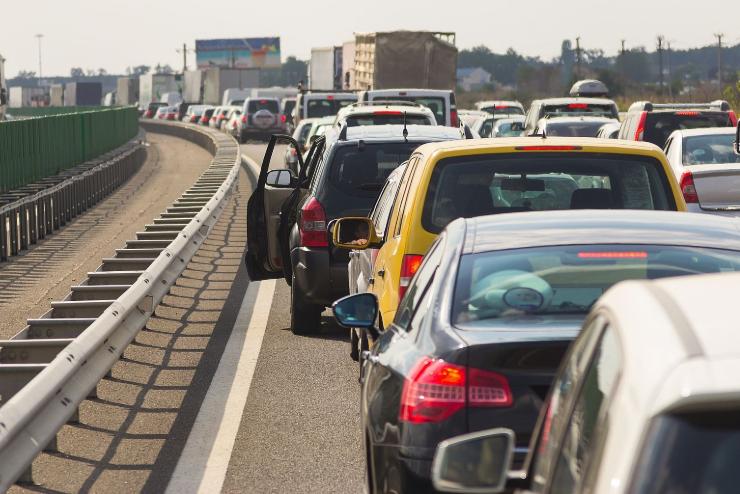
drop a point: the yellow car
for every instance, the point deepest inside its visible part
(448, 180)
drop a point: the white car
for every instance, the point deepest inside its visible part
(440, 101)
(385, 113)
(707, 169)
(500, 107)
(646, 402)
(300, 134)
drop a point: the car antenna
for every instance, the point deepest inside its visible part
(405, 129)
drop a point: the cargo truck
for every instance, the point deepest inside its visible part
(218, 80)
(24, 97)
(83, 94)
(127, 91)
(193, 86)
(405, 59)
(56, 93)
(325, 69)
(153, 86)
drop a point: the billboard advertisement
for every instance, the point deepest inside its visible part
(238, 53)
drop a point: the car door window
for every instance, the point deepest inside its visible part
(382, 212)
(580, 439)
(419, 283)
(408, 177)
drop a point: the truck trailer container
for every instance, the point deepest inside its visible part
(322, 70)
(83, 94)
(218, 80)
(153, 86)
(193, 86)
(56, 95)
(127, 91)
(23, 97)
(405, 59)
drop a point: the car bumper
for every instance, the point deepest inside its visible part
(320, 280)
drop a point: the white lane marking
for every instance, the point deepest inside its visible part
(205, 458)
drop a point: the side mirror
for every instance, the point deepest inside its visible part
(357, 311)
(355, 234)
(737, 139)
(477, 462)
(282, 179)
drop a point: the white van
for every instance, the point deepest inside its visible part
(440, 101)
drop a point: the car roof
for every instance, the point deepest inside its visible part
(576, 227)
(395, 132)
(575, 99)
(707, 131)
(409, 90)
(499, 102)
(580, 118)
(369, 110)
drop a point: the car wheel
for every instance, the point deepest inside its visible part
(304, 318)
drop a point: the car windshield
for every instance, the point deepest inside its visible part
(659, 126)
(709, 149)
(381, 118)
(256, 105)
(437, 105)
(583, 128)
(580, 108)
(568, 279)
(502, 111)
(317, 108)
(506, 183)
(692, 452)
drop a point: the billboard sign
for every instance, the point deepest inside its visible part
(238, 53)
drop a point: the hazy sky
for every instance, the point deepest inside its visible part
(114, 34)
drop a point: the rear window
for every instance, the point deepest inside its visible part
(568, 279)
(695, 452)
(502, 111)
(504, 130)
(659, 126)
(573, 129)
(317, 108)
(579, 108)
(506, 183)
(386, 119)
(437, 105)
(256, 105)
(709, 149)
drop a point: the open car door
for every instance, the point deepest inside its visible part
(265, 257)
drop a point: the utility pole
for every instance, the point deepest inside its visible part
(578, 57)
(670, 74)
(660, 60)
(184, 50)
(38, 37)
(719, 37)
(623, 49)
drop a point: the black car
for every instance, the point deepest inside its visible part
(487, 319)
(288, 215)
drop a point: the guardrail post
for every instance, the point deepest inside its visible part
(14, 232)
(33, 212)
(23, 222)
(3, 237)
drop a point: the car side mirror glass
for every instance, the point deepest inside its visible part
(356, 311)
(477, 462)
(281, 179)
(355, 234)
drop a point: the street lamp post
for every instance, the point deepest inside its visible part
(39, 36)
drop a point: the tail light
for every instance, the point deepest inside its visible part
(392, 113)
(688, 189)
(454, 120)
(312, 225)
(640, 134)
(409, 267)
(578, 106)
(244, 119)
(435, 390)
(733, 118)
(283, 118)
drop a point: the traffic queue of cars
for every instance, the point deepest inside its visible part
(495, 352)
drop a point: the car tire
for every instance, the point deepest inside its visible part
(304, 318)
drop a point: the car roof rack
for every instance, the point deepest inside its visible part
(720, 105)
(360, 104)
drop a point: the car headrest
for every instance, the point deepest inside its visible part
(592, 199)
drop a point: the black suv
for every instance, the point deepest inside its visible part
(653, 122)
(288, 215)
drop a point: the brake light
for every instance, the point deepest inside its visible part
(454, 119)
(312, 225)
(283, 118)
(688, 189)
(263, 102)
(578, 106)
(613, 255)
(733, 118)
(409, 267)
(687, 113)
(244, 119)
(548, 148)
(388, 112)
(330, 97)
(435, 390)
(640, 134)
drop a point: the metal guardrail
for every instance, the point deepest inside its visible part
(57, 360)
(35, 211)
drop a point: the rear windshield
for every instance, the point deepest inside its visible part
(659, 126)
(256, 105)
(579, 108)
(317, 108)
(696, 452)
(386, 119)
(709, 149)
(437, 105)
(502, 111)
(506, 183)
(574, 129)
(568, 279)
(357, 174)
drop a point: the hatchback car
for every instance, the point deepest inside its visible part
(707, 169)
(287, 215)
(440, 101)
(623, 417)
(385, 113)
(500, 108)
(571, 126)
(653, 122)
(445, 181)
(564, 107)
(490, 314)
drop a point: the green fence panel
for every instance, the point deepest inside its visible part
(36, 148)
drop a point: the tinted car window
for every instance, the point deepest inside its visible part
(579, 108)
(317, 108)
(382, 211)
(256, 105)
(659, 126)
(567, 279)
(477, 186)
(709, 149)
(501, 111)
(687, 453)
(574, 129)
(437, 105)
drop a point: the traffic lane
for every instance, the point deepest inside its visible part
(45, 272)
(256, 152)
(300, 430)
